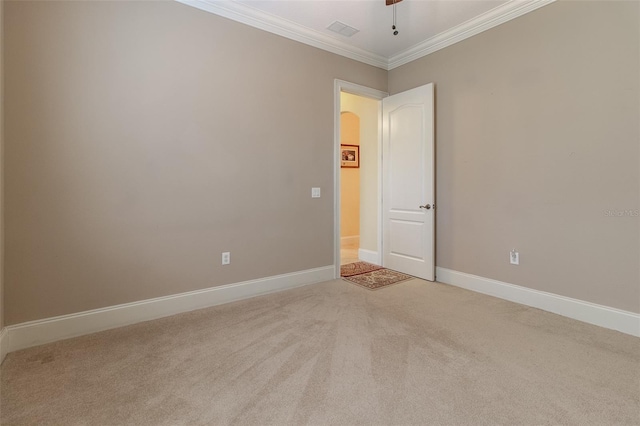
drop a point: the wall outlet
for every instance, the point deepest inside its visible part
(514, 257)
(315, 192)
(226, 258)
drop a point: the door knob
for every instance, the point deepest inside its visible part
(428, 206)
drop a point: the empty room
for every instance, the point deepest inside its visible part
(409, 212)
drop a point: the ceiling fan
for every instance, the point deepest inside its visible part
(393, 3)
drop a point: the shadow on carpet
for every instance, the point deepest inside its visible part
(371, 276)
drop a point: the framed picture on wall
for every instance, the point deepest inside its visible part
(349, 156)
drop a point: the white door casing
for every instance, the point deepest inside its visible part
(408, 197)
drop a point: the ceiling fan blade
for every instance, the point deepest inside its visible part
(390, 2)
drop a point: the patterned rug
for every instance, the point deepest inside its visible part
(357, 268)
(371, 276)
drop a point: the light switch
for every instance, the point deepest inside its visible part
(315, 192)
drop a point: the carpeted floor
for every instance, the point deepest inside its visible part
(334, 354)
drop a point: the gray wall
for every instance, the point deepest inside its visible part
(537, 140)
(145, 138)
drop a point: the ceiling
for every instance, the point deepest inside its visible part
(424, 26)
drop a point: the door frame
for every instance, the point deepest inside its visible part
(340, 86)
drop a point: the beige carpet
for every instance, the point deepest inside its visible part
(330, 354)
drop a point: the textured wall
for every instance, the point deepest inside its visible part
(145, 138)
(537, 142)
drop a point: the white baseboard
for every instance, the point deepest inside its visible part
(369, 256)
(603, 316)
(25, 335)
(3, 344)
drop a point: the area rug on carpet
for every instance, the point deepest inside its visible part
(357, 268)
(378, 278)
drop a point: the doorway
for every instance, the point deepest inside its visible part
(354, 144)
(359, 177)
(358, 111)
(405, 221)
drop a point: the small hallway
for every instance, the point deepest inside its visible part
(359, 178)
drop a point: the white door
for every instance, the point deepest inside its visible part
(408, 182)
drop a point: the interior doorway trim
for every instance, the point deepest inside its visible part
(340, 86)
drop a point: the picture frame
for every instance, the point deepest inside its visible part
(349, 156)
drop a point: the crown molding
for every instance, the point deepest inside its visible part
(255, 18)
(247, 15)
(480, 23)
